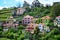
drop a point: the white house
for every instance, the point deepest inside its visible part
(57, 21)
(43, 28)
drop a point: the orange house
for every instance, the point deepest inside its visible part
(31, 27)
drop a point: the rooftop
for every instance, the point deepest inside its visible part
(58, 17)
(28, 16)
(46, 17)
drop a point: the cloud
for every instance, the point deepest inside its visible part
(1, 7)
(41, 1)
(9, 3)
(29, 1)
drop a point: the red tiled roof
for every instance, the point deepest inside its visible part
(58, 17)
(46, 17)
(28, 16)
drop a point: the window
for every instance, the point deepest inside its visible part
(59, 18)
(31, 18)
(39, 26)
(7, 22)
(28, 18)
(28, 22)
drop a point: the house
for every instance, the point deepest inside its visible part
(19, 11)
(10, 23)
(57, 21)
(27, 19)
(47, 29)
(43, 27)
(45, 20)
(31, 27)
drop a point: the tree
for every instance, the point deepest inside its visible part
(55, 10)
(36, 34)
(21, 27)
(51, 34)
(1, 31)
(21, 37)
(25, 5)
(38, 21)
(36, 3)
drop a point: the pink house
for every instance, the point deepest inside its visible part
(27, 19)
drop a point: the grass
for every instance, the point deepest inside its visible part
(4, 39)
(6, 13)
(4, 16)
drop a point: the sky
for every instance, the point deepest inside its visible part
(11, 3)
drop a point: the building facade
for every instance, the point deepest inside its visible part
(27, 19)
(10, 23)
(31, 27)
(18, 11)
(57, 21)
(43, 27)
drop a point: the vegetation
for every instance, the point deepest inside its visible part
(36, 12)
(55, 10)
